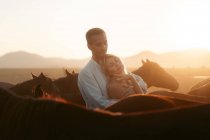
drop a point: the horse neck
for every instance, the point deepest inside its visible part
(143, 74)
(63, 84)
(58, 82)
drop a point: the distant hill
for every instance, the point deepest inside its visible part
(21, 59)
(187, 58)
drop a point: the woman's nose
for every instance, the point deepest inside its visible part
(104, 47)
(117, 64)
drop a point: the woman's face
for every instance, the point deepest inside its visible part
(114, 66)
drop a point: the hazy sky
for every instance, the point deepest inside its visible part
(56, 28)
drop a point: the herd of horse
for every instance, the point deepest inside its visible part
(42, 108)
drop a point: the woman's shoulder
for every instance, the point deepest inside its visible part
(133, 75)
(136, 77)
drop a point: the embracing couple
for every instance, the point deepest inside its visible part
(105, 80)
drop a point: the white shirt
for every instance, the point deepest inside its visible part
(92, 84)
(140, 82)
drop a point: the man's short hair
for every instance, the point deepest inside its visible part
(92, 32)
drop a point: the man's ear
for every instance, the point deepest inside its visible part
(89, 46)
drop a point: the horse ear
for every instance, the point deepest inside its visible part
(34, 76)
(67, 72)
(41, 75)
(148, 60)
(143, 62)
(73, 72)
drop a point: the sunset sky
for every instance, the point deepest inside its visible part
(56, 28)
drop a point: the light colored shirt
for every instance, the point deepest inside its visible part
(118, 90)
(140, 82)
(92, 84)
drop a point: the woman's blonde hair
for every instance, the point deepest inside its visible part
(104, 66)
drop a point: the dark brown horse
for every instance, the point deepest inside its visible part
(26, 88)
(68, 88)
(6, 85)
(157, 100)
(140, 103)
(154, 75)
(29, 118)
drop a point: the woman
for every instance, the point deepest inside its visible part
(120, 82)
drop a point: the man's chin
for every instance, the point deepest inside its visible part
(101, 56)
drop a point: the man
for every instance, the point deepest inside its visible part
(91, 79)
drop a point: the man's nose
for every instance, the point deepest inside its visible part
(104, 47)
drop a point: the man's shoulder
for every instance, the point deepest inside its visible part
(88, 69)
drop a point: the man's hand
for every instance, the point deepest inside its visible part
(125, 80)
(120, 77)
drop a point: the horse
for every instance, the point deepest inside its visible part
(26, 88)
(30, 118)
(6, 85)
(38, 92)
(154, 75)
(201, 83)
(202, 89)
(139, 102)
(199, 93)
(155, 101)
(68, 87)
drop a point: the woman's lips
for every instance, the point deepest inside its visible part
(119, 70)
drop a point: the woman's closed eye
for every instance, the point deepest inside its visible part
(111, 65)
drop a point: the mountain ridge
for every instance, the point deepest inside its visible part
(186, 58)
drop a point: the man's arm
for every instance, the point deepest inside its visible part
(116, 90)
(91, 91)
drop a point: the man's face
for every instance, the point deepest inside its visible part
(98, 45)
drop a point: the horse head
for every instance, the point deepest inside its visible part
(26, 88)
(68, 84)
(69, 88)
(154, 75)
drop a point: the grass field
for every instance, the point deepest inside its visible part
(187, 77)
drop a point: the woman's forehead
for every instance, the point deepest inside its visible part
(112, 59)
